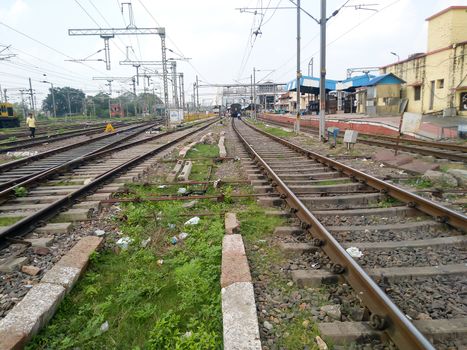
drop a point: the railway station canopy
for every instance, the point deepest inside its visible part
(310, 85)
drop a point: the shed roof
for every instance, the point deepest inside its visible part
(385, 79)
(310, 85)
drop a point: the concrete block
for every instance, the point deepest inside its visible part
(231, 223)
(232, 245)
(55, 228)
(78, 256)
(185, 149)
(30, 315)
(99, 196)
(74, 215)
(173, 174)
(13, 264)
(64, 276)
(40, 242)
(94, 205)
(239, 317)
(186, 171)
(313, 278)
(222, 150)
(345, 332)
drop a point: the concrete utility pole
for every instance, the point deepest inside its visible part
(69, 105)
(322, 72)
(197, 94)
(4, 93)
(254, 93)
(32, 98)
(22, 91)
(173, 65)
(299, 73)
(53, 96)
(182, 91)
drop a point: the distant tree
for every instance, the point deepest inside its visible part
(62, 95)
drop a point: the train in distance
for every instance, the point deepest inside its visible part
(8, 119)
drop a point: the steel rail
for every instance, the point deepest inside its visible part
(37, 141)
(385, 314)
(10, 185)
(29, 181)
(15, 163)
(390, 139)
(439, 212)
(28, 223)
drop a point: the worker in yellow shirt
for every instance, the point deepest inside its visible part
(31, 122)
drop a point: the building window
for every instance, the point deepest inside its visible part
(440, 83)
(417, 92)
(463, 98)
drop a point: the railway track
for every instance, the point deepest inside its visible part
(443, 150)
(21, 144)
(21, 170)
(411, 274)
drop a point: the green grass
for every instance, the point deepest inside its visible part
(9, 221)
(420, 183)
(387, 202)
(147, 305)
(201, 150)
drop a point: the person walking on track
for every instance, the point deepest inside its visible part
(31, 122)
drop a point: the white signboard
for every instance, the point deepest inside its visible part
(176, 115)
(411, 122)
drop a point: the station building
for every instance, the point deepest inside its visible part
(436, 81)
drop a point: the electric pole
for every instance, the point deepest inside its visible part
(254, 93)
(299, 74)
(182, 90)
(32, 98)
(197, 94)
(322, 72)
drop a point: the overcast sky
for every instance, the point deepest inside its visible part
(218, 38)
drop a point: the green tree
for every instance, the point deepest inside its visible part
(65, 97)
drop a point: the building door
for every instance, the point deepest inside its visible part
(432, 95)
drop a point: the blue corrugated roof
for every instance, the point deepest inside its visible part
(385, 79)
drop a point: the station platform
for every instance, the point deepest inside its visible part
(431, 128)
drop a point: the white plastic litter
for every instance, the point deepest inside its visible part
(187, 334)
(181, 190)
(354, 252)
(145, 242)
(16, 154)
(87, 181)
(99, 233)
(381, 165)
(216, 183)
(171, 226)
(193, 221)
(124, 242)
(160, 262)
(182, 236)
(105, 327)
(161, 186)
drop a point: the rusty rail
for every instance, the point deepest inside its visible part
(385, 314)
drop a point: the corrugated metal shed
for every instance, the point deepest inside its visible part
(386, 79)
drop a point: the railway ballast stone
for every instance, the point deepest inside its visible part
(13, 264)
(333, 311)
(460, 175)
(440, 178)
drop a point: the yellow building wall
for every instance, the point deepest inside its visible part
(448, 65)
(447, 28)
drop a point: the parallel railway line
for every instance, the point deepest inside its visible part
(340, 207)
(451, 151)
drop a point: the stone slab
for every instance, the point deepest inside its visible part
(94, 205)
(99, 196)
(78, 256)
(186, 171)
(399, 273)
(232, 245)
(56, 228)
(399, 160)
(74, 215)
(30, 315)
(297, 248)
(13, 264)
(313, 278)
(234, 269)
(346, 332)
(231, 223)
(40, 242)
(418, 166)
(64, 276)
(240, 322)
(453, 328)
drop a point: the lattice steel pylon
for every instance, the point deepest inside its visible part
(111, 32)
